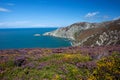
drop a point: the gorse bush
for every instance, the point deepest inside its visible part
(108, 68)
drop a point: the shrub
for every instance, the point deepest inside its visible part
(108, 68)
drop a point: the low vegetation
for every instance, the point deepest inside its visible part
(71, 63)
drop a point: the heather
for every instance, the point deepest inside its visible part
(69, 63)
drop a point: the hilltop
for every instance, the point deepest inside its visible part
(90, 34)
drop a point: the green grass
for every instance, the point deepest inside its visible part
(50, 71)
(57, 67)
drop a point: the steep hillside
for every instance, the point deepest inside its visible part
(90, 34)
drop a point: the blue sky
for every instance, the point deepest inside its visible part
(56, 13)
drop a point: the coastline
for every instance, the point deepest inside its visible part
(24, 38)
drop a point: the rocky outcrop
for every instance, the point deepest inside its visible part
(90, 34)
(69, 31)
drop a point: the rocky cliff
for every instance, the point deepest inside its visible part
(90, 34)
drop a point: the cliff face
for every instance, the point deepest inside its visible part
(90, 34)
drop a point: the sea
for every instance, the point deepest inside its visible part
(17, 38)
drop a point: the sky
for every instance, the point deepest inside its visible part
(56, 13)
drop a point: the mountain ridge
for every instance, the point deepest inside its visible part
(90, 34)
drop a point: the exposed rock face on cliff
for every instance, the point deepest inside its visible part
(90, 34)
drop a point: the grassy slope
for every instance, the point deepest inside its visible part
(72, 63)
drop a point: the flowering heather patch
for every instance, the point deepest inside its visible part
(19, 61)
(70, 63)
(88, 65)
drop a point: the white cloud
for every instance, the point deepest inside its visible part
(91, 14)
(116, 18)
(24, 24)
(4, 10)
(14, 24)
(10, 4)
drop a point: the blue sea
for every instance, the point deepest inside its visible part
(15, 38)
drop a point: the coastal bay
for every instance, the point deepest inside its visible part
(15, 38)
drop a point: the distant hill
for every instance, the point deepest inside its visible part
(90, 34)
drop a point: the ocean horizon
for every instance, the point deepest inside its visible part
(17, 38)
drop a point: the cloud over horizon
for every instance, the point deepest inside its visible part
(24, 24)
(4, 10)
(14, 24)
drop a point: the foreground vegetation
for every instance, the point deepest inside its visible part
(72, 63)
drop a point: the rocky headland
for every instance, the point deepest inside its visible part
(90, 34)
